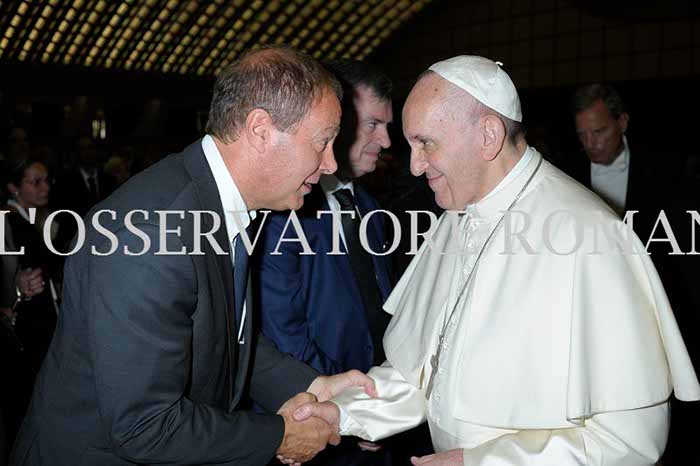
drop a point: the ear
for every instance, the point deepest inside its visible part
(258, 129)
(494, 135)
(623, 120)
(12, 188)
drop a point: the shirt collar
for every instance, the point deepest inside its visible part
(620, 163)
(231, 199)
(331, 184)
(498, 200)
(87, 174)
(20, 210)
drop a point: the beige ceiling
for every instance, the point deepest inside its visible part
(190, 37)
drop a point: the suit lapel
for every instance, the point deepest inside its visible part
(198, 168)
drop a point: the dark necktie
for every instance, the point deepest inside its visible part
(363, 269)
(240, 273)
(92, 186)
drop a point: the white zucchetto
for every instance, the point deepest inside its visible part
(485, 81)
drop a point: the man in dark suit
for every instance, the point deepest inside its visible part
(85, 185)
(153, 350)
(326, 309)
(622, 172)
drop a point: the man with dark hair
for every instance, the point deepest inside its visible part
(153, 350)
(326, 309)
(619, 172)
(82, 186)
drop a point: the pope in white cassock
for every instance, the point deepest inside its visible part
(537, 345)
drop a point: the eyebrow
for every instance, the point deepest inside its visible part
(378, 119)
(597, 128)
(330, 130)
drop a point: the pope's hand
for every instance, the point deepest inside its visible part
(326, 387)
(304, 439)
(446, 458)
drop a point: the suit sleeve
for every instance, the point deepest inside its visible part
(282, 302)
(140, 337)
(277, 377)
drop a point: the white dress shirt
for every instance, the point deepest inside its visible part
(90, 175)
(610, 181)
(236, 214)
(331, 184)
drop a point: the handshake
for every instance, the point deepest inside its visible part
(311, 421)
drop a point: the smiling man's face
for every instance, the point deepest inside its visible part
(443, 145)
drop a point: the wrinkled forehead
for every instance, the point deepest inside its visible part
(433, 100)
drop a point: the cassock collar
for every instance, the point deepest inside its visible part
(498, 200)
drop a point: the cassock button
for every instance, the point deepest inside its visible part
(441, 370)
(438, 420)
(437, 396)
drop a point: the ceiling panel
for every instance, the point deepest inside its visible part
(191, 37)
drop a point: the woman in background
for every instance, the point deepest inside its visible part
(37, 284)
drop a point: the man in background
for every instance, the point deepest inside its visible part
(326, 309)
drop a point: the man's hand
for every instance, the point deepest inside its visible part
(326, 387)
(327, 411)
(446, 458)
(30, 282)
(304, 439)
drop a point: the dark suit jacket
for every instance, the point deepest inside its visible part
(70, 192)
(311, 306)
(144, 366)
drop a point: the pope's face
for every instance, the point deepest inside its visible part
(600, 133)
(443, 146)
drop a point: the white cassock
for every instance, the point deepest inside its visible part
(552, 358)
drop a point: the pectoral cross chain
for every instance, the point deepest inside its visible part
(434, 363)
(435, 358)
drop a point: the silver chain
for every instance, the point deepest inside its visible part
(447, 319)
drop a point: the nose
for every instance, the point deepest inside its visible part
(383, 138)
(590, 141)
(418, 164)
(328, 163)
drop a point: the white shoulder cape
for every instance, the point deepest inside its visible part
(549, 339)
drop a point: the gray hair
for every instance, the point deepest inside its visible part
(280, 80)
(587, 95)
